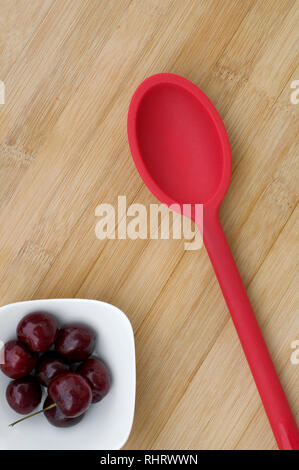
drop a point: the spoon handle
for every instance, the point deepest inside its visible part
(268, 384)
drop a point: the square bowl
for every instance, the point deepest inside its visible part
(107, 424)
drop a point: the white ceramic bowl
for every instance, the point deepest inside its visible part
(107, 424)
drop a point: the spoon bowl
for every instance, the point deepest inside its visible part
(185, 158)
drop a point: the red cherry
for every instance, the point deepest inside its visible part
(18, 360)
(57, 418)
(23, 395)
(71, 393)
(49, 366)
(98, 377)
(38, 330)
(75, 342)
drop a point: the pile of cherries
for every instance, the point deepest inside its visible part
(58, 359)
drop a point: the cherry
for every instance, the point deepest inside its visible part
(71, 393)
(23, 395)
(18, 360)
(38, 330)
(49, 366)
(76, 342)
(98, 377)
(56, 417)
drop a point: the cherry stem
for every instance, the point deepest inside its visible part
(33, 414)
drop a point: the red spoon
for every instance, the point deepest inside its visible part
(181, 150)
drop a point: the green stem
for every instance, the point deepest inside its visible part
(33, 414)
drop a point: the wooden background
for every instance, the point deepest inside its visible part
(70, 68)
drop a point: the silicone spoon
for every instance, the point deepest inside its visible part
(181, 150)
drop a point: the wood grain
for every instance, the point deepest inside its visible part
(70, 69)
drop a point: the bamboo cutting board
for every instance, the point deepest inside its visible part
(69, 70)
